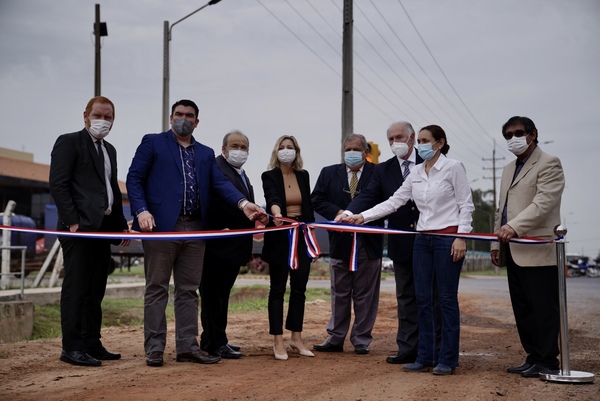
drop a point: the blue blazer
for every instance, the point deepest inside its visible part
(155, 180)
(385, 181)
(332, 194)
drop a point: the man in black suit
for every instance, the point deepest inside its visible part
(388, 177)
(83, 184)
(335, 188)
(225, 256)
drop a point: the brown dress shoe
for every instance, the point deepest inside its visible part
(154, 358)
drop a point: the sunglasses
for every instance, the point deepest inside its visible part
(518, 133)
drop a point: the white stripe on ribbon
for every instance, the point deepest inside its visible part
(205, 234)
(312, 246)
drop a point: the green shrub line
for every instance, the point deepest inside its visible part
(130, 312)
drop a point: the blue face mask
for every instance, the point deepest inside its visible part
(425, 150)
(353, 158)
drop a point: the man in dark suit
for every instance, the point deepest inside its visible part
(224, 256)
(83, 184)
(169, 184)
(335, 188)
(388, 177)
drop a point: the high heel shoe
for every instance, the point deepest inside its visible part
(280, 357)
(303, 352)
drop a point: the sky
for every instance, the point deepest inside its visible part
(274, 67)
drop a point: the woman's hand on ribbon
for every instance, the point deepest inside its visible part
(351, 219)
(276, 219)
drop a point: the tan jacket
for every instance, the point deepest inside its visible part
(533, 208)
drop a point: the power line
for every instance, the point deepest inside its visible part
(442, 71)
(459, 139)
(323, 60)
(368, 66)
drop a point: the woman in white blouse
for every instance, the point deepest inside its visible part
(440, 189)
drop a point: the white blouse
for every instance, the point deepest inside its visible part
(443, 198)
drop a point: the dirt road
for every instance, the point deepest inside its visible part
(489, 343)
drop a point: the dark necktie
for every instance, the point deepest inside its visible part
(101, 156)
(519, 165)
(100, 152)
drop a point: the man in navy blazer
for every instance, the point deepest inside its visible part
(332, 194)
(388, 177)
(169, 184)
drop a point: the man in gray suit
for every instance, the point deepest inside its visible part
(530, 195)
(387, 178)
(336, 187)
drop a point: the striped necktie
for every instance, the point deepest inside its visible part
(353, 184)
(406, 170)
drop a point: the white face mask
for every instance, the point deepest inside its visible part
(400, 149)
(237, 157)
(286, 156)
(99, 128)
(517, 146)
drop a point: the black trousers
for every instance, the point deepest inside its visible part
(278, 272)
(534, 298)
(86, 264)
(218, 278)
(408, 331)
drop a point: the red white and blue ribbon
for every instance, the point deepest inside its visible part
(312, 246)
(133, 235)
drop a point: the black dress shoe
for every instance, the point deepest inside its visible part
(197, 357)
(226, 352)
(535, 370)
(519, 369)
(79, 358)
(102, 354)
(155, 358)
(328, 347)
(361, 349)
(401, 358)
(236, 348)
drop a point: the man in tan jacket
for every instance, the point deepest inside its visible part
(530, 195)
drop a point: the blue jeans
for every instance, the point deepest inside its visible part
(433, 266)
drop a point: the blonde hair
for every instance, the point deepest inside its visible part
(274, 162)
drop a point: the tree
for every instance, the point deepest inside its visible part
(483, 218)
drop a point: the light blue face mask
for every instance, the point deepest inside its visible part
(353, 158)
(425, 150)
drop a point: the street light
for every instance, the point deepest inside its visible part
(167, 39)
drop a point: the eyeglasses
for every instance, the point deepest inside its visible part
(518, 133)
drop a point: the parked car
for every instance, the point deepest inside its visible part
(387, 265)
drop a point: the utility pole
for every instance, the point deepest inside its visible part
(347, 71)
(166, 62)
(493, 168)
(99, 31)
